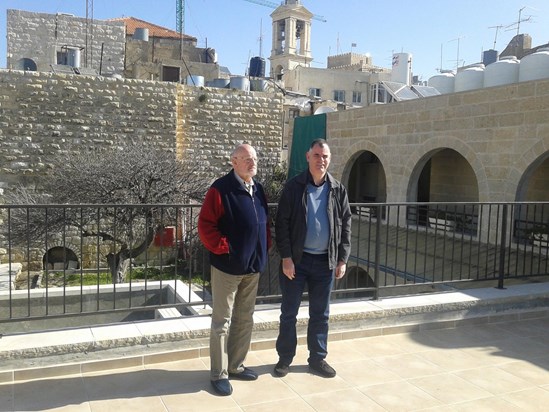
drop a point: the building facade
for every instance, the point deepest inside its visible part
(46, 42)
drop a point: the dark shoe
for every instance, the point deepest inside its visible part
(323, 369)
(246, 375)
(281, 369)
(222, 387)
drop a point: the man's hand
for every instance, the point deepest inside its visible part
(340, 270)
(288, 268)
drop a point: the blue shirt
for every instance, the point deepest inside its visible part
(318, 226)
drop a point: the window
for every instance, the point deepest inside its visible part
(314, 92)
(293, 113)
(339, 95)
(170, 74)
(357, 97)
(379, 94)
(26, 64)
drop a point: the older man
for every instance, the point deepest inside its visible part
(233, 225)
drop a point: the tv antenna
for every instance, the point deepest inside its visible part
(457, 58)
(520, 20)
(496, 36)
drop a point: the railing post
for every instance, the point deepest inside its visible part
(377, 252)
(503, 240)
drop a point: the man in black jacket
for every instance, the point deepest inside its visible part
(313, 236)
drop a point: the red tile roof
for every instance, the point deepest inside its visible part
(154, 30)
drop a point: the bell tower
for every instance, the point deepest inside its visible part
(291, 38)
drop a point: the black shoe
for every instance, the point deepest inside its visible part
(246, 375)
(323, 369)
(281, 369)
(222, 387)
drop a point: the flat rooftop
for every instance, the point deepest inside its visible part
(478, 349)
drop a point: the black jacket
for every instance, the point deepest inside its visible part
(291, 219)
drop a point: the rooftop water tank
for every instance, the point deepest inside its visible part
(210, 55)
(219, 83)
(257, 67)
(240, 83)
(197, 81)
(258, 85)
(471, 78)
(443, 82)
(141, 33)
(504, 71)
(73, 56)
(401, 71)
(535, 66)
(489, 57)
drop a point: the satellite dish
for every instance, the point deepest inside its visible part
(324, 109)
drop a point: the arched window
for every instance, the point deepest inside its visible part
(26, 64)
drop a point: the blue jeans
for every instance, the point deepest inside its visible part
(313, 271)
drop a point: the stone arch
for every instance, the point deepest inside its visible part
(528, 181)
(26, 64)
(61, 256)
(419, 157)
(357, 276)
(521, 170)
(346, 160)
(278, 72)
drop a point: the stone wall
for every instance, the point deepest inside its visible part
(502, 133)
(40, 36)
(214, 121)
(43, 114)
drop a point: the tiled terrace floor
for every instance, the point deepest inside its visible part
(479, 366)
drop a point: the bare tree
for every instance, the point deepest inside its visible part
(121, 178)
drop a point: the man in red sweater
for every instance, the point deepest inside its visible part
(233, 225)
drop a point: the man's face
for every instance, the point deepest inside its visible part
(245, 163)
(318, 158)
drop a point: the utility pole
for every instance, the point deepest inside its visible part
(88, 59)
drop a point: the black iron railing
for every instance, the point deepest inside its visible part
(87, 263)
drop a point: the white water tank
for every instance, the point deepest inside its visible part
(73, 56)
(197, 81)
(535, 66)
(471, 78)
(141, 33)
(240, 83)
(443, 82)
(219, 83)
(401, 71)
(504, 71)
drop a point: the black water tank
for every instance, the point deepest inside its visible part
(257, 67)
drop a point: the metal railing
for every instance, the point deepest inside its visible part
(85, 263)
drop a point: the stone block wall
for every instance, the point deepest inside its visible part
(214, 121)
(43, 114)
(501, 132)
(40, 36)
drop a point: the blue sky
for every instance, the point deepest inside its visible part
(430, 30)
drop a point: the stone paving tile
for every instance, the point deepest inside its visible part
(477, 366)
